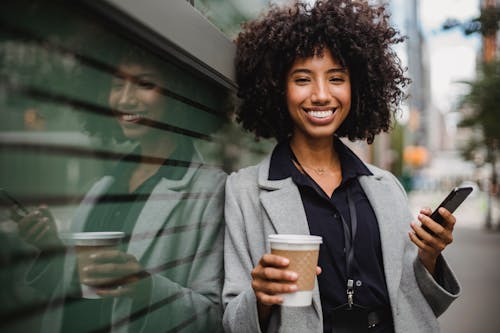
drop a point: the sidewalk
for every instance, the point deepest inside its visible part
(474, 257)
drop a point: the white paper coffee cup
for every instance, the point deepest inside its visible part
(302, 251)
(88, 243)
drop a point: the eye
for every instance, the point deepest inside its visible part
(301, 80)
(117, 84)
(337, 79)
(146, 84)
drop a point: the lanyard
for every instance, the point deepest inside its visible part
(349, 233)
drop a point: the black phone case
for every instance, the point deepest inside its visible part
(451, 203)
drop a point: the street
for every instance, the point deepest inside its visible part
(474, 257)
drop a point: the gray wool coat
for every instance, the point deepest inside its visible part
(256, 207)
(178, 235)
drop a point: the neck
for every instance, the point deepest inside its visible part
(158, 148)
(315, 153)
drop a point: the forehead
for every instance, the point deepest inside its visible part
(133, 68)
(320, 60)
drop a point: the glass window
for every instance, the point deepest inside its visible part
(113, 157)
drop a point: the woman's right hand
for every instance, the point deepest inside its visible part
(269, 278)
(39, 229)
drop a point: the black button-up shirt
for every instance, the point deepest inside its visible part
(324, 216)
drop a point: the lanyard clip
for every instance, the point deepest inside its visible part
(350, 293)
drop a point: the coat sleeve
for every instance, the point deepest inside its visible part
(238, 297)
(441, 292)
(195, 307)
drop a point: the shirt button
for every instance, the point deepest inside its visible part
(335, 215)
(358, 283)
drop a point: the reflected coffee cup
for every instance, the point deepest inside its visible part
(88, 243)
(302, 251)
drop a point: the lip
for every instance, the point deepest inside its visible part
(131, 117)
(320, 115)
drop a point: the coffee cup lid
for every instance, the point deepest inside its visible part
(94, 235)
(295, 239)
(92, 238)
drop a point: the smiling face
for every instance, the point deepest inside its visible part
(136, 95)
(318, 96)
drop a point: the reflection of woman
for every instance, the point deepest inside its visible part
(308, 76)
(168, 275)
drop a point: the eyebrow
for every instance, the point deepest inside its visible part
(308, 71)
(125, 76)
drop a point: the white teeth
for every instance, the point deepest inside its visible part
(131, 117)
(320, 114)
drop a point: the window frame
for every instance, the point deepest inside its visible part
(177, 29)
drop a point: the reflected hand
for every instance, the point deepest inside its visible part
(430, 245)
(115, 274)
(38, 228)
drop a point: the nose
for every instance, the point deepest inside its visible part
(127, 97)
(320, 94)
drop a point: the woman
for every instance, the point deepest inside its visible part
(168, 276)
(308, 76)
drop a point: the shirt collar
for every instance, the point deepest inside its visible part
(281, 165)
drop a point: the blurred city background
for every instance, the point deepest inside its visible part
(445, 135)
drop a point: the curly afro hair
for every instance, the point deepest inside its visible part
(358, 36)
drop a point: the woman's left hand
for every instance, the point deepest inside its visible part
(430, 245)
(115, 274)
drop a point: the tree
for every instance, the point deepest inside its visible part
(483, 112)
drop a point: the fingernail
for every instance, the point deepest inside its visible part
(285, 261)
(293, 287)
(292, 275)
(420, 216)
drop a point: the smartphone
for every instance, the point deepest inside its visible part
(9, 201)
(451, 203)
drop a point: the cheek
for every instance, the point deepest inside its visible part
(295, 96)
(112, 99)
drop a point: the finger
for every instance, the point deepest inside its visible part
(450, 220)
(36, 229)
(272, 260)
(273, 274)
(426, 211)
(114, 292)
(432, 242)
(102, 282)
(269, 299)
(271, 288)
(438, 230)
(318, 270)
(111, 269)
(28, 220)
(42, 234)
(418, 242)
(433, 226)
(112, 255)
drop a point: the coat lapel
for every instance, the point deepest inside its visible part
(390, 219)
(166, 195)
(282, 203)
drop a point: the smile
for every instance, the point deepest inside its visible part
(131, 117)
(320, 113)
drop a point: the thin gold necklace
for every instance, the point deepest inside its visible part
(319, 171)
